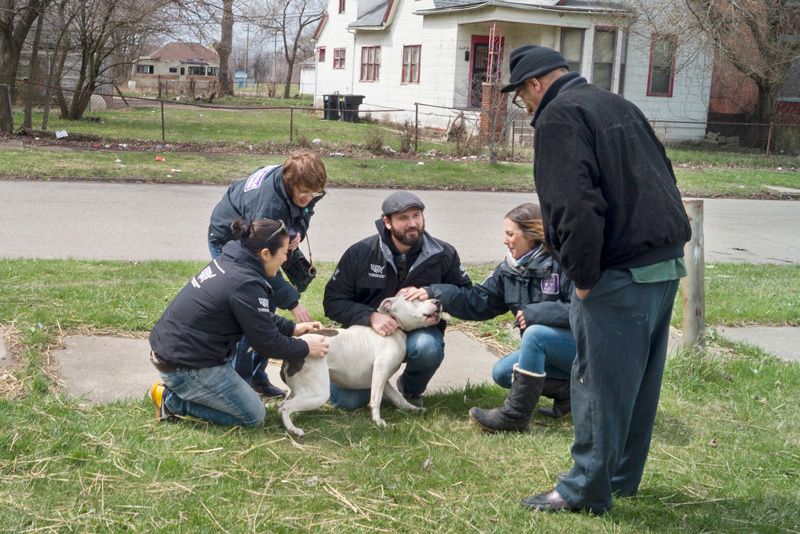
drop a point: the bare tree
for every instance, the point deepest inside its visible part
(292, 20)
(758, 37)
(224, 47)
(16, 20)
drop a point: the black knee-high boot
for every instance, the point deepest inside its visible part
(558, 390)
(515, 414)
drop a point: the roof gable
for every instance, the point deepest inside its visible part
(185, 53)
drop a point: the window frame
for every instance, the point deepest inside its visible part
(583, 41)
(140, 69)
(196, 68)
(606, 29)
(341, 60)
(653, 38)
(367, 66)
(321, 54)
(342, 6)
(414, 77)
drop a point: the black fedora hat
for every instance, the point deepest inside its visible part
(530, 61)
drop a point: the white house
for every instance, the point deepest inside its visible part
(308, 76)
(437, 52)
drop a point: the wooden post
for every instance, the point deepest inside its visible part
(693, 297)
(291, 125)
(769, 138)
(163, 136)
(416, 127)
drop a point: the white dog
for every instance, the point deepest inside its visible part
(359, 358)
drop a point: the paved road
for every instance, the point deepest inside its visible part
(141, 221)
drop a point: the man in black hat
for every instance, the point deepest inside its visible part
(613, 217)
(402, 254)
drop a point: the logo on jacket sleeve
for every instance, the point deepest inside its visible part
(204, 275)
(264, 304)
(376, 271)
(550, 285)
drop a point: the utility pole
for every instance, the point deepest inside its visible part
(247, 53)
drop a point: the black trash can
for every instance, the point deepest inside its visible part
(330, 107)
(349, 106)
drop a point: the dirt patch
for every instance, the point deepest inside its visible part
(11, 386)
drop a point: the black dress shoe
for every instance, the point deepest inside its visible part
(550, 501)
(268, 390)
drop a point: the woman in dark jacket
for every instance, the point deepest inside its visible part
(531, 285)
(195, 339)
(287, 193)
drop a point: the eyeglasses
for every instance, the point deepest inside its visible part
(516, 102)
(312, 194)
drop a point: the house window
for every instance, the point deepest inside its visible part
(370, 63)
(197, 71)
(662, 65)
(173, 70)
(321, 54)
(341, 6)
(212, 71)
(183, 71)
(338, 58)
(144, 69)
(411, 63)
(605, 42)
(623, 61)
(572, 47)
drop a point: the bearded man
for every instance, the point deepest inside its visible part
(402, 254)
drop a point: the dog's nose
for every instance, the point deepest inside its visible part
(436, 303)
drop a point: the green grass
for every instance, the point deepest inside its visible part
(724, 455)
(216, 168)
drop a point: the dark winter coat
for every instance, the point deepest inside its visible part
(262, 195)
(540, 289)
(228, 298)
(606, 187)
(367, 274)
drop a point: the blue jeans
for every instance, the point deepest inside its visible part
(543, 349)
(214, 394)
(247, 363)
(424, 355)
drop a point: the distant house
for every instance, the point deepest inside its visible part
(308, 76)
(177, 68)
(441, 52)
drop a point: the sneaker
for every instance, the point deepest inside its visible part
(268, 390)
(157, 394)
(415, 400)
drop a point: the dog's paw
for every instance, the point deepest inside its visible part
(297, 432)
(380, 422)
(419, 410)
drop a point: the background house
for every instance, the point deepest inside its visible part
(177, 69)
(440, 52)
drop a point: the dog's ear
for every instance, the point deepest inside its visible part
(386, 305)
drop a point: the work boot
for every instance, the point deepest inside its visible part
(265, 388)
(158, 394)
(414, 400)
(558, 390)
(515, 414)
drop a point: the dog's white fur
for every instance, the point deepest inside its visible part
(359, 358)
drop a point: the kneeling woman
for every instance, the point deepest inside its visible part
(531, 285)
(195, 340)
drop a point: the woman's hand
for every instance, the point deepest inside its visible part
(294, 243)
(305, 328)
(300, 314)
(413, 293)
(382, 323)
(318, 346)
(521, 320)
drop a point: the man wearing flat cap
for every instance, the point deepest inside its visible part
(402, 254)
(614, 219)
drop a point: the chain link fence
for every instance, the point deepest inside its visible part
(343, 123)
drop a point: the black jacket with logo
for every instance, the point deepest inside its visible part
(367, 274)
(228, 298)
(607, 190)
(540, 289)
(262, 195)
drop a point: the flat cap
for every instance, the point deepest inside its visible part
(530, 61)
(401, 201)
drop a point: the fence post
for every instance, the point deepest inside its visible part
(693, 297)
(291, 125)
(163, 135)
(769, 138)
(416, 127)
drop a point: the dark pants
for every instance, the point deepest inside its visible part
(621, 330)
